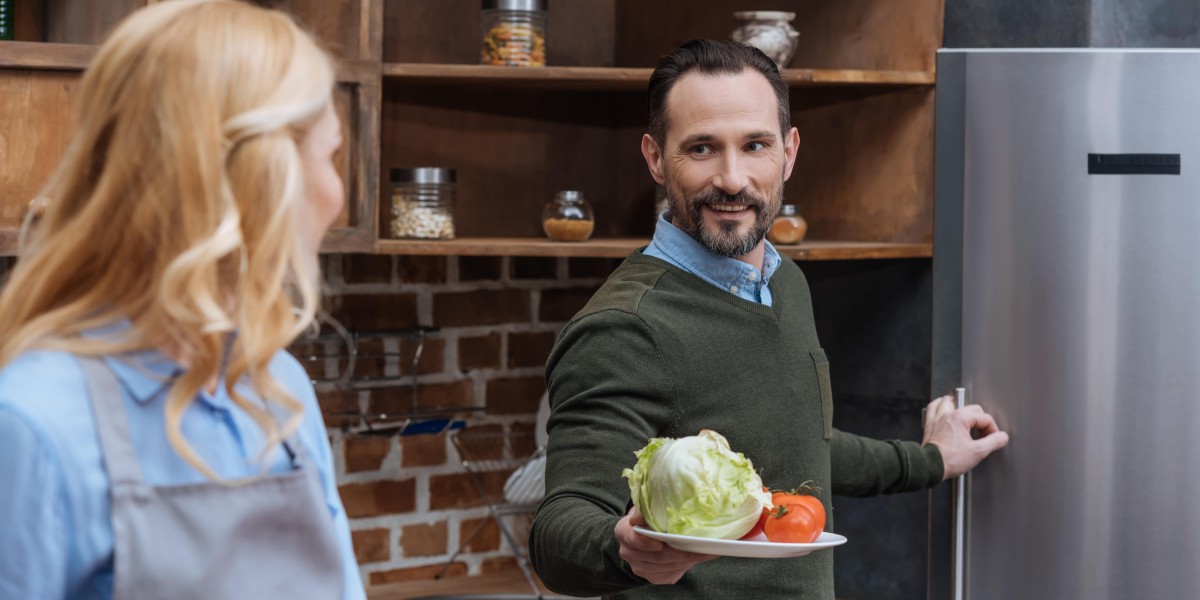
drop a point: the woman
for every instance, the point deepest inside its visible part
(157, 441)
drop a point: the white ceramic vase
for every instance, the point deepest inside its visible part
(769, 31)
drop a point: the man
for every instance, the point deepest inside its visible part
(709, 327)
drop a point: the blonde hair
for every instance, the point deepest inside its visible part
(177, 206)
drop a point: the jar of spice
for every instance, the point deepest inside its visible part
(423, 203)
(568, 218)
(789, 227)
(514, 33)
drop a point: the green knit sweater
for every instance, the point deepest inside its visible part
(658, 352)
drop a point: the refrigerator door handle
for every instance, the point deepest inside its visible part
(960, 505)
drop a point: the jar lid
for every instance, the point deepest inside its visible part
(569, 196)
(422, 175)
(787, 210)
(538, 5)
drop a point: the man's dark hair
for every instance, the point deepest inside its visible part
(711, 57)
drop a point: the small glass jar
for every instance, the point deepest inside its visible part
(568, 218)
(423, 203)
(789, 227)
(514, 33)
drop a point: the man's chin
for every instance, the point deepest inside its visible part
(732, 246)
(728, 231)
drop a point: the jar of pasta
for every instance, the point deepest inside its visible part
(423, 203)
(568, 217)
(514, 33)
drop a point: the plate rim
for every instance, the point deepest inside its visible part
(838, 540)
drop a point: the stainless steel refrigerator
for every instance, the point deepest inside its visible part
(1067, 304)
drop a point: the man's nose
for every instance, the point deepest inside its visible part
(730, 179)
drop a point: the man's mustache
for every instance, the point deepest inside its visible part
(718, 197)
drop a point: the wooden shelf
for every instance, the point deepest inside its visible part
(75, 57)
(48, 56)
(621, 247)
(510, 582)
(40, 55)
(618, 79)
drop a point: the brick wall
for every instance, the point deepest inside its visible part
(409, 500)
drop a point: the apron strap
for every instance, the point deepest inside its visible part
(112, 423)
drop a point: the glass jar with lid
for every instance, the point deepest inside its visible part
(423, 203)
(514, 33)
(789, 227)
(568, 217)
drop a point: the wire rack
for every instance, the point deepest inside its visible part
(490, 457)
(345, 352)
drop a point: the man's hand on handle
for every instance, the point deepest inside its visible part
(949, 428)
(650, 559)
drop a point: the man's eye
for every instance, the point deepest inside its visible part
(702, 149)
(755, 146)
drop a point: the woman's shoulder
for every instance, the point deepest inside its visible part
(288, 371)
(43, 393)
(47, 382)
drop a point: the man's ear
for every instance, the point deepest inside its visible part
(791, 146)
(653, 155)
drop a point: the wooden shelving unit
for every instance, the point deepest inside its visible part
(861, 90)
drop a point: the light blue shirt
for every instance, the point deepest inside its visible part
(56, 538)
(671, 244)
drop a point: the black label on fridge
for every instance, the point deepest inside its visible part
(1133, 164)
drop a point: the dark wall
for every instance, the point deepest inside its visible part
(1016, 23)
(874, 321)
(1145, 23)
(1072, 24)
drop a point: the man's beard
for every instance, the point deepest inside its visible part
(725, 241)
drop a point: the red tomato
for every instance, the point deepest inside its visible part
(797, 520)
(781, 498)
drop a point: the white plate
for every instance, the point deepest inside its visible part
(756, 547)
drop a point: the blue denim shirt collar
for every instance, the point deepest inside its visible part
(730, 274)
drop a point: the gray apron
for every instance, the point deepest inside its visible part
(266, 538)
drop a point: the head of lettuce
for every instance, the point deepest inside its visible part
(696, 486)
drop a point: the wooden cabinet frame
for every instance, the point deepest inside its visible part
(37, 70)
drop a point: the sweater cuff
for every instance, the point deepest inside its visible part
(925, 466)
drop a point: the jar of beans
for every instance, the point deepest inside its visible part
(423, 203)
(514, 33)
(568, 217)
